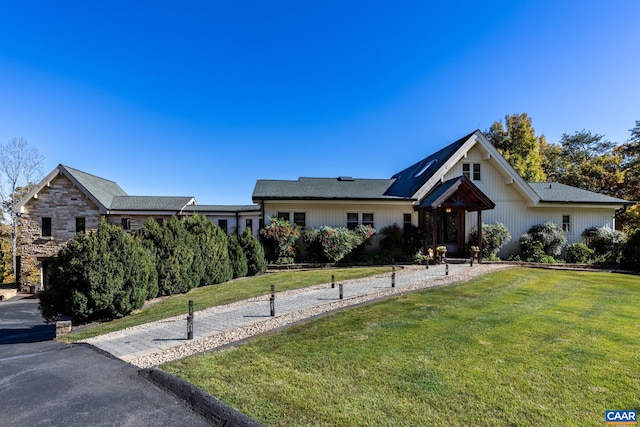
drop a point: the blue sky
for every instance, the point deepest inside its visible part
(202, 98)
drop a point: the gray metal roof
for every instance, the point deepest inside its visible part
(324, 188)
(222, 208)
(150, 203)
(561, 193)
(102, 189)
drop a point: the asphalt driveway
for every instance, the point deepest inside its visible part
(43, 382)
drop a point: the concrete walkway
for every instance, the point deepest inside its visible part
(165, 340)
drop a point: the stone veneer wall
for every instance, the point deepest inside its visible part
(63, 203)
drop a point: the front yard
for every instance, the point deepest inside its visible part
(516, 347)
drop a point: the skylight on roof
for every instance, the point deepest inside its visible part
(425, 167)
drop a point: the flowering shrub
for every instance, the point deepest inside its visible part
(333, 244)
(494, 237)
(283, 235)
(606, 243)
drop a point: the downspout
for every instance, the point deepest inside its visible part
(237, 224)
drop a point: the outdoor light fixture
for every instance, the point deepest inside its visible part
(448, 210)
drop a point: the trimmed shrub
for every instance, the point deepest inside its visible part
(551, 236)
(105, 274)
(254, 252)
(532, 250)
(282, 236)
(494, 237)
(579, 253)
(237, 258)
(333, 244)
(211, 262)
(631, 253)
(400, 243)
(174, 255)
(606, 243)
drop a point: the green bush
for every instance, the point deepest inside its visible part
(400, 243)
(606, 243)
(237, 258)
(551, 236)
(211, 263)
(631, 252)
(333, 244)
(579, 253)
(174, 255)
(254, 252)
(282, 236)
(105, 274)
(494, 237)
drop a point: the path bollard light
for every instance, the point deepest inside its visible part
(393, 276)
(333, 281)
(272, 300)
(341, 293)
(446, 270)
(190, 321)
(471, 261)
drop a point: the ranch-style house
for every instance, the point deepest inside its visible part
(445, 194)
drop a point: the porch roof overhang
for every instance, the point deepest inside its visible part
(456, 193)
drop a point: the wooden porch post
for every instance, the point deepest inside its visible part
(480, 236)
(435, 232)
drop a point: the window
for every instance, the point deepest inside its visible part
(476, 171)
(126, 223)
(468, 168)
(299, 218)
(352, 220)
(249, 224)
(566, 223)
(367, 219)
(80, 223)
(283, 215)
(406, 221)
(46, 227)
(222, 223)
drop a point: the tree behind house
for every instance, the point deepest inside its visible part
(20, 168)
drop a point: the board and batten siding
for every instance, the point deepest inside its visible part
(519, 214)
(334, 213)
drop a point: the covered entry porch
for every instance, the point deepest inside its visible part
(442, 215)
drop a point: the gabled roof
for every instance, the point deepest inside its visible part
(410, 180)
(554, 192)
(458, 192)
(99, 190)
(103, 190)
(325, 189)
(150, 203)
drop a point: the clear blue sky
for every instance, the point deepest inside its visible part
(202, 98)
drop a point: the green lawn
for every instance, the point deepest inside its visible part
(520, 347)
(225, 293)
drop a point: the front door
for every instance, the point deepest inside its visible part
(452, 232)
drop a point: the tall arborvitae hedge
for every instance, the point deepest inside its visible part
(253, 250)
(105, 274)
(210, 244)
(237, 257)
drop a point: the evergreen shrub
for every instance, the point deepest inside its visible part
(254, 252)
(494, 237)
(105, 274)
(237, 258)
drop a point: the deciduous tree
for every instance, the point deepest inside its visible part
(517, 142)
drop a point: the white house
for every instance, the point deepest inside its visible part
(446, 194)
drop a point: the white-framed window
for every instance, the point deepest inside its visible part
(222, 223)
(406, 221)
(353, 219)
(283, 215)
(472, 171)
(125, 223)
(300, 219)
(566, 223)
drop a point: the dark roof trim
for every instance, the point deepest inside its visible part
(441, 196)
